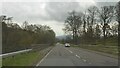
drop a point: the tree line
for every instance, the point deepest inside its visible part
(16, 37)
(93, 24)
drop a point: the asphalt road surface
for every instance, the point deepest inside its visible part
(70, 56)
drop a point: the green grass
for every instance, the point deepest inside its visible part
(25, 59)
(110, 45)
(110, 50)
(0, 62)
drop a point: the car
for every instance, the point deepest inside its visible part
(67, 45)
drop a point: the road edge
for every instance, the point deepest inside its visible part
(44, 57)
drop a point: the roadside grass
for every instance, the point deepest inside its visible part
(24, 59)
(109, 50)
(109, 47)
(0, 62)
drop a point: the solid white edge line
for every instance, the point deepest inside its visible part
(43, 58)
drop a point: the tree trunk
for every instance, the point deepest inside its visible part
(119, 34)
(76, 37)
(73, 35)
(104, 29)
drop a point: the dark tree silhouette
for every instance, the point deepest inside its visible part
(72, 24)
(118, 19)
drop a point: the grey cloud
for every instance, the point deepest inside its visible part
(100, 4)
(32, 10)
(24, 11)
(58, 11)
(106, 0)
(43, 12)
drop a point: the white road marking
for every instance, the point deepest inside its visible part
(69, 50)
(89, 63)
(44, 58)
(84, 60)
(77, 56)
(72, 52)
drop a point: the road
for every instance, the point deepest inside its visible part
(70, 56)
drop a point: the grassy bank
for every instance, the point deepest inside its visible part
(110, 46)
(101, 48)
(25, 59)
(0, 62)
(106, 49)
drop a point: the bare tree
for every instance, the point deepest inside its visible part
(72, 24)
(97, 31)
(84, 22)
(89, 19)
(24, 25)
(9, 19)
(118, 19)
(92, 11)
(106, 14)
(2, 18)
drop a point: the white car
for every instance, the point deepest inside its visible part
(67, 45)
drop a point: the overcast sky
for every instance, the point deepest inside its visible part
(52, 14)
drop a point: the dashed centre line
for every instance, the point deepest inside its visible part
(84, 60)
(69, 50)
(77, 56)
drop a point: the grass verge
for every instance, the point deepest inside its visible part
(24, 59)
(106, 49)
(0, 62)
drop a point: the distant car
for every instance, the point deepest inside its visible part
(67, 45)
